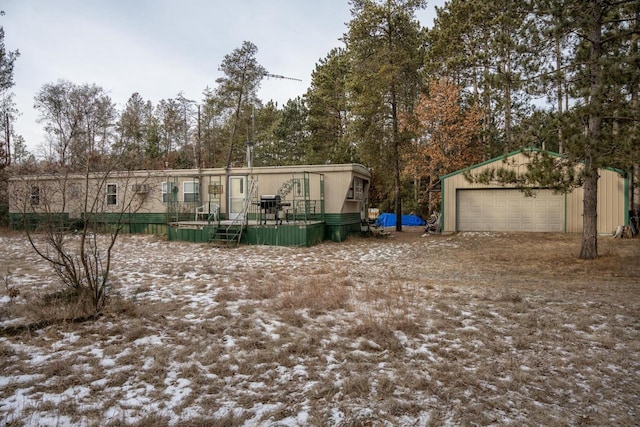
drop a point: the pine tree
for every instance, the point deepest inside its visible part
(211, 129)
(131, 129)
(484, 45)
(602, 65)
(238, 88)
(288, 134)
(386, 46)
(328, 121)
(592, 47)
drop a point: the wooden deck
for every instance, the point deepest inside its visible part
(292, 233)
(248, 223)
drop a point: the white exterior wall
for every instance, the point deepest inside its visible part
(337, 180)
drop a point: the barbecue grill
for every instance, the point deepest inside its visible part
(272, 204)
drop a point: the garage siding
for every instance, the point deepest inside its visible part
(613, 201)
(509, 210)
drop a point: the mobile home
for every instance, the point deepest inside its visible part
(285, 205)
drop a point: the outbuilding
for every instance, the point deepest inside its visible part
(468, 206)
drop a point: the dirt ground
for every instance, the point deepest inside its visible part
(461, 329)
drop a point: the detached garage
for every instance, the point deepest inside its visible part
(478, 207)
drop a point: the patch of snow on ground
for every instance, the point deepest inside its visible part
(421, 341)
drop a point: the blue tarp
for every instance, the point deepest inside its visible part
(389, 220)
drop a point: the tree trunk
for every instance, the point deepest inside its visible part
(559, 83)
(593, 135)
(507, 106)
(635, 102)
(396, 155)
(398, 199)
(589, 248)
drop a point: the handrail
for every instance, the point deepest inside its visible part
(245, 208)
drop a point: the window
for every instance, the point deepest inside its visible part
(35, 195)
(191, 191)
(73, 191)
(112, 194)
(356, 191)
(169, 195)
(358, 188)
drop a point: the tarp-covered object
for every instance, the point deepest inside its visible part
(389, 220)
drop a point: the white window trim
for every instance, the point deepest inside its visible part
(111, 194)
(166, 185)
(35, 195)
(197, 192)
(356, 191)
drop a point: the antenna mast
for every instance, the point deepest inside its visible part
(278, 76)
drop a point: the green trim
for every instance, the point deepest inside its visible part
(133, 218)
(272, 235)
(626, 201)
(193, 235)
(284, 235)
(565, 212)
(520, 151)
(486, 162)
(19, 221)
(339, 233)
(442, 205)
(150, 218)
(339, 227)
(343, 219)
(145, 223)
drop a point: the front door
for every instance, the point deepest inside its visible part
(237, 196)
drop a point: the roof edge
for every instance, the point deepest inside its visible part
(504, 156)
(519, 151)
(148, 173)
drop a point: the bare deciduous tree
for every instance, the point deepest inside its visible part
(74, 209)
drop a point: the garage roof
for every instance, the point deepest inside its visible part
(513, 153)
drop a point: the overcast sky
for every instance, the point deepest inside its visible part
(159, 48)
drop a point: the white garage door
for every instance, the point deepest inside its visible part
(509, 210)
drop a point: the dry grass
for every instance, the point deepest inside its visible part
(468, 329)
(317, 295)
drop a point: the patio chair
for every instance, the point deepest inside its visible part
(207, 212)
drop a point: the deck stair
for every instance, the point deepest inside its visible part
(227, 234)
(232, 233)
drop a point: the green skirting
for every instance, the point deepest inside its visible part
(337, 228)
(31, 221)
(141, 223)
(285, 234)
(193, 235)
